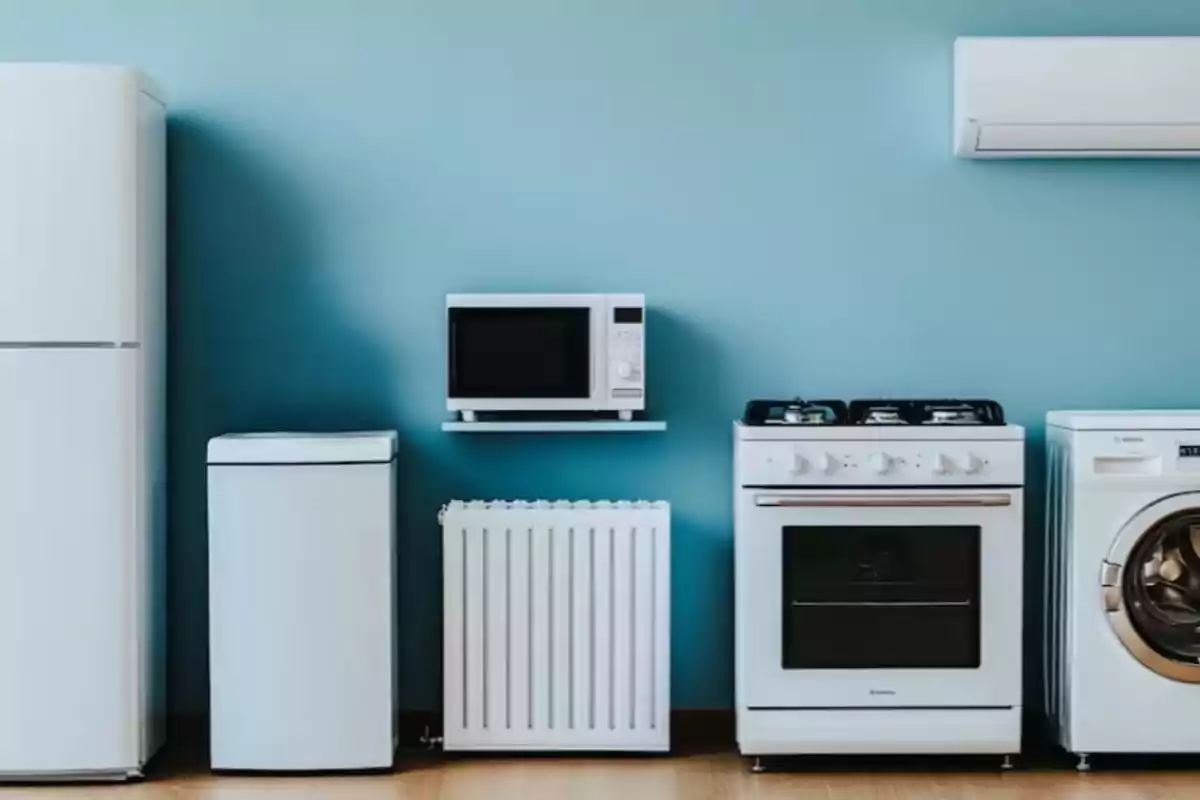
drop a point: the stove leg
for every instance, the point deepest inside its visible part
(1083, 765)
(758, 767)
(1007, 763)
(625, 416)
(467, 416)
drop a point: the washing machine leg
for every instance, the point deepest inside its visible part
(1007, 763)
(758, 767)
(1083, 765)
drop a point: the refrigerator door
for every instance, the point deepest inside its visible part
(68, 561)
(68, 203)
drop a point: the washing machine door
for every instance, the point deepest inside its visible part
(1150, 586)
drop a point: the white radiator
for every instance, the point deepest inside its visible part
(557, 626)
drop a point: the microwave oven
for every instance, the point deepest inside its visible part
(546, 352)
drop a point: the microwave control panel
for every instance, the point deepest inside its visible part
(627, 348)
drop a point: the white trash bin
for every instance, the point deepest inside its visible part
(302, 599)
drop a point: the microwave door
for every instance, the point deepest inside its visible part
(523, 357)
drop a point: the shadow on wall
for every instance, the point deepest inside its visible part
(1035, 584)
(257, 342)
(690, 387)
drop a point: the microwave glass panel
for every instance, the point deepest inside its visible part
(520, 353)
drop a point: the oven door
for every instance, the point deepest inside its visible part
(886, 598)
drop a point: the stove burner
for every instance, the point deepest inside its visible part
(795, 412)
(799, 412)
(957, 415)
(926, 412)
(795, 415)
(883, 416)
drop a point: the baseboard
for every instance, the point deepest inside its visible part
(692, 730)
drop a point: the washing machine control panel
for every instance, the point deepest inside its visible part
(1145, 454)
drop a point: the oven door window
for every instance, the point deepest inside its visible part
(534, 353)
(881, 597)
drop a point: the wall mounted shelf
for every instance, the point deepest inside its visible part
(563, 426)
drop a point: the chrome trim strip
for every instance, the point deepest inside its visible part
(898, 487)
(883, 501)
(69, 345)
(879, 708)
(878, 604)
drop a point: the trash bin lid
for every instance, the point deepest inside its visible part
(363, 447)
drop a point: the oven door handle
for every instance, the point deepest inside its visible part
(984, 500)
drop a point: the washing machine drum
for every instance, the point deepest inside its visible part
(1152, 587)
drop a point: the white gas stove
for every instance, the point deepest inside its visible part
(878, 578)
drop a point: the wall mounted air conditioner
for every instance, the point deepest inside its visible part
(1077, 97)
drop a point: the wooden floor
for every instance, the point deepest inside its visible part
(693, 777)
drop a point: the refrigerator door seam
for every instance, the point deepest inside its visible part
(69, 346)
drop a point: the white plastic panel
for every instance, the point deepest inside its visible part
(1131, 421)
(68, 693)
(361, 447)
(300, 598)
(1076, 96)
(1122, 461)
(68, 204)
(1055, 598)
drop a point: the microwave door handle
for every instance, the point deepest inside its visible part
(983, 500)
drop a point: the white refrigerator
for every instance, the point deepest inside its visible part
(82, 434)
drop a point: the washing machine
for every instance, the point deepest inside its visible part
(1123, 570)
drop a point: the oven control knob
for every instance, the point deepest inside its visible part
(881, 463)
(941, 464)
(827, 464)
(971, 464)
(625, 370)
(799, 464)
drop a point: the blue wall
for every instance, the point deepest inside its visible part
(775, 174)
